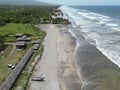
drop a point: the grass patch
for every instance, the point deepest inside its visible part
(6, 51)
(14, 59)
(8, 32)
(4, 71)
(11, 29)
(40, 33)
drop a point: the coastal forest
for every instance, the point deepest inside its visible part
(27, 15)
(22, 20)
(12, 17)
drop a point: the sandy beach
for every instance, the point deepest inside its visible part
(57, 64)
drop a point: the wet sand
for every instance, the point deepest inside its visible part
(57, 64)
(67, 72)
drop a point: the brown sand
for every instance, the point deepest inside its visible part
(57, 63)
(67, 72)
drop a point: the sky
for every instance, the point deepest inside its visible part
(83, 2)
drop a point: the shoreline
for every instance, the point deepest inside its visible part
(67, 69)
(57, 64)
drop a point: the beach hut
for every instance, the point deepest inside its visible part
(36, 42)
(27, 39)
(18, 35)
(20, 39)
(23, 38)
(36, 46)
(20, 44)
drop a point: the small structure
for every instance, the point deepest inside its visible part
(38, 79)
(18, 35)
(27, 39)
(36, 46)
(20, 44)
(36, 42)
(20, 39)
(23, 38)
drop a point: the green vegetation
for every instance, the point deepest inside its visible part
(4, 71)
(25, 14)
(6, 51)
(5, 59)
(8, 31)
(40, 33)
(14, 19)
(28, 14)
(11, 29)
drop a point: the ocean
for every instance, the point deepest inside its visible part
(97, 54)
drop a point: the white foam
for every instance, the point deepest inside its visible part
(102, 23)
(111, 54)
(72, 34)
(83, 14)
(112, 24)
(115, 28)
(77, 41)
(103, 42)
(106, 19)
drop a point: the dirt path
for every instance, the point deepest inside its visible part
(12, 51)
(47, 66)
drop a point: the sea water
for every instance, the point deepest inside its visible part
(97, 53)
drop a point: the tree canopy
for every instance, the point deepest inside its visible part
(25, 14)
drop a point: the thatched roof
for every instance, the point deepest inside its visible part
(27, 39)
(18, 35)
(36, 42)
(20, 39)
(21, 43)
(23, 38)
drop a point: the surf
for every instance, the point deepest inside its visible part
(97, 28)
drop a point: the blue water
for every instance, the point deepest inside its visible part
(100, 26)
(97, 33)
(112, 11)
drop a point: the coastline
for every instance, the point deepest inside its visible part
(97, 52)
(68, 74)
(57, 64)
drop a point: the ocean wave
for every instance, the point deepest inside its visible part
(103, 25)
(112, 54)
(115, 28)
(112, 24)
